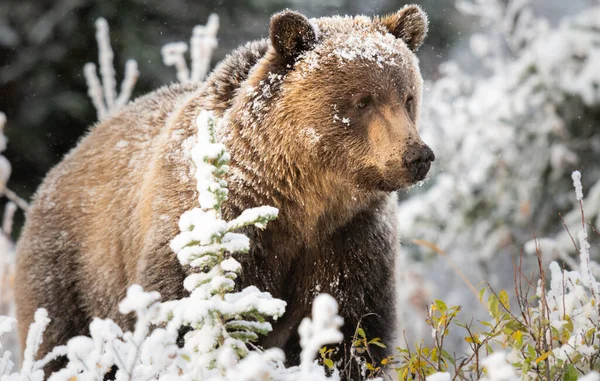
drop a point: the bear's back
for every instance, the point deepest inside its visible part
(112, 199)
(80, 228)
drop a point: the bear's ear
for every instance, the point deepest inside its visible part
(408, 24)
(291, 34)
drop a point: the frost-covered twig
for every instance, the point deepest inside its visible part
(6, 364)
(104, 94)
(30, 369)
(7, 219)
(13, 197)
(582, 236)
(323, 329)
(203, 43)
(7, 246)
(5, 167)
(173, 55)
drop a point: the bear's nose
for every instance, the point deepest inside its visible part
(417, 159)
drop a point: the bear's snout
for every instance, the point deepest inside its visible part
(417, 159)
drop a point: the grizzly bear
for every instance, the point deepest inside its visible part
(321, 122)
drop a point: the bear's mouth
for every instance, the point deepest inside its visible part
(419, 172)
(417, 160)
(405, 179)
(393, 177)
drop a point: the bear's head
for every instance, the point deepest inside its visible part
(344, 93)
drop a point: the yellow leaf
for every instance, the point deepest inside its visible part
(504, 299)
(518, 337)
(542, 357)
(441, 305)
(405, 374)
(493, 306)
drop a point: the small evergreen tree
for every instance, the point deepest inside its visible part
(224, 321)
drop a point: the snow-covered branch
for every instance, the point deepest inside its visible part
(323, 329)
(104, 94)
(202, 45)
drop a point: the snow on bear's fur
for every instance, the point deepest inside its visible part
(321, 123)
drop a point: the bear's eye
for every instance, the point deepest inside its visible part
(362, 102)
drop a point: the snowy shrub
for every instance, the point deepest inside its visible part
(507, 134)
(505, 142)
(552, 333)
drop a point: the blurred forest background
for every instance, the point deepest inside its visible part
(45, 43)
(511, 108)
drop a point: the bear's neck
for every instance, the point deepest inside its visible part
(312, 203)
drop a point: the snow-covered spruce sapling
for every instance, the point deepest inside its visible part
(223, 321)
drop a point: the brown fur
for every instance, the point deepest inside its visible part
(104, 216)
(408, 24)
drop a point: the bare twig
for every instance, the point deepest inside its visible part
(12, 196)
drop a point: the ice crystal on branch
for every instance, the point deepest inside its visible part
(30, 368)
(202, 43)
(224, 321)
(104, 94)
(576, 176)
